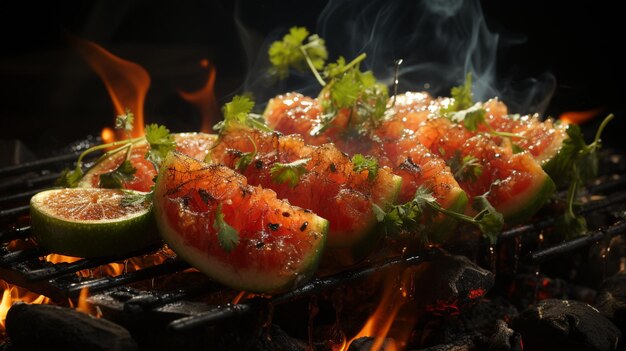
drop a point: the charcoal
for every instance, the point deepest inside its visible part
(453, 283)
(48, 327)
(275, 339)
(466, 343)
(486, 315)
(555, 324)
(504, 338)
(366, 344)
(611, 299)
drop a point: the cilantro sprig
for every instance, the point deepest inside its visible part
(161, 143)
(238, 112)
(398, 217)
(577, 162)
(289, 173)
(345, 86)
(465, 168)
(463, 110)
(158, 137)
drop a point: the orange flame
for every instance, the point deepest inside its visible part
(13, 294)
(380, 322)
(204, 99)
(107, 135)
(126, 82)
(579, 117)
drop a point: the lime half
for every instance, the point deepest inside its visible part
(85, 222)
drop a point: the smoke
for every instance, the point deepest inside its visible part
(439, 41)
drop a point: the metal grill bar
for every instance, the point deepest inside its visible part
(23, 182)
(39, 164)
(313, 287)
(575, 244)
(104, 283)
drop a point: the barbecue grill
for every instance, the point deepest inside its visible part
(162, 298)
(182, 306)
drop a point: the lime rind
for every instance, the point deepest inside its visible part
(91, 238)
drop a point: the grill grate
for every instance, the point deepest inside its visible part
(28, 269)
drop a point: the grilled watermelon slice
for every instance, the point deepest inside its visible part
(238, 234)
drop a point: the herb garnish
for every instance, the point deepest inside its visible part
(463, 110)
(466, 168)
(289, 173)
(487, 219)
(161, 143)
(227, 236)
(345, 86)
(578, 163)
(246, 157)
(365, 163)
(159, 138)
(238, 112)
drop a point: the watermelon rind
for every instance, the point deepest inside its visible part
(251, 279)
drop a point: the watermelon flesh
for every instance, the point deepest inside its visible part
(195, 145)
(330, 187)
(279, 245)
(415, 164)
(516, 184)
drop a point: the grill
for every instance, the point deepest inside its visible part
(133, 295)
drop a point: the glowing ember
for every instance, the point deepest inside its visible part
(126, 82)
(14, 294)
(579, 117)
(204, 100)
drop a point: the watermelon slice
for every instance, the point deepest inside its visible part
(237, 234)
(195, 145)
(295, 113)
(329, 185)
(516, 183)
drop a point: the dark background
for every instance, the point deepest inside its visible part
(49, 97)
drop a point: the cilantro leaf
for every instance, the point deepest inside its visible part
(238, 112)
(70, 178)
(471, 117)
(289, 173)
(365, 163)
(227, 236)
(246, 158)
(465, 168)
(488, 220)
(462, 96)
(133, 198)
(125, 121)
(292, 52)
(115, 179)
(161, 143)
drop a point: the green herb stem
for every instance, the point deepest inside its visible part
(106, 146)
(596, 141)
(312, 66)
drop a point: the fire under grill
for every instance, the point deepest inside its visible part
(158, 297)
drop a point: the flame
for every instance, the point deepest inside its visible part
(126, 82)
(380, 322)
(204, 99)
(107, 135)
(579, 117)
(13, 294)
